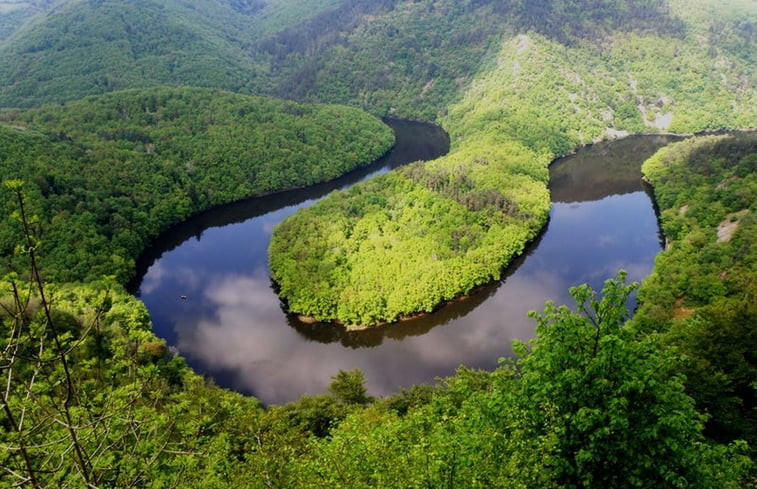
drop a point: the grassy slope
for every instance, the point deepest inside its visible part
(540, 100)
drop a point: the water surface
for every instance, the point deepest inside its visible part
(232, 327)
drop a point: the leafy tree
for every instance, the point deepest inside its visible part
(601, 407)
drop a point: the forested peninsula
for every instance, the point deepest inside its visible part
(591, 383)
(91, 398)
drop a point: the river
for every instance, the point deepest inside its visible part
(230, 325)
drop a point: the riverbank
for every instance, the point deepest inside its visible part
(109, 173)
(393, 248)
(234, 328)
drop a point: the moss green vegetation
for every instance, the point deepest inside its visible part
(401, 58)
(397, 57)
(562, 417)
(591, 403)
(555, 98)
(107, 174)
(702, 293)
(392, 57)
(427, 234)
(14, 13)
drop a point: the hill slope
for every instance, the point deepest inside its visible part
(14, 13)
(542, 98)
(109, 172)
(593, 403)
(85, 47)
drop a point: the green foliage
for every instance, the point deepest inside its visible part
(702, 291)
(407, 241)
(108, 173)
(601, 405)
(402, 57)
(591, 404)
(86, 48)
(349, 387)
(554, 98)
(392, 57)
(131, 404)
(12, 15)
(395, 56)
(569, 20)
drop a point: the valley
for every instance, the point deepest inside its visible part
(119, 121)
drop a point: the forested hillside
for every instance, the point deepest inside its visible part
(392, 56)
(83, 48)
(92, 398)
(14, 13)
(593, 401)
(702, 293)
(400, 57)
(106, 174)
(440, 229)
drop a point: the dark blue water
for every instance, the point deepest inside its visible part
(231, 325)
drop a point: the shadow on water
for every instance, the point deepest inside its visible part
(605, 168)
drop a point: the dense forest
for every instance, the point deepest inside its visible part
(702, 293)
(391, 57)
(91, 398)
(366, 256)
(108, 173)
(404, 242)
(594, 401)
(76, 48)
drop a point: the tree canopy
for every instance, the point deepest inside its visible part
(108, 173)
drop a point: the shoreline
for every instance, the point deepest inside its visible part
(310, 320)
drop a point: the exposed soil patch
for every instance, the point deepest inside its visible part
(729, 225)
(680, 311)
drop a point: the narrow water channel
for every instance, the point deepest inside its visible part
(231, 325)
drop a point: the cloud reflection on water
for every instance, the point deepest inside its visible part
(233, 324)
(244, 337)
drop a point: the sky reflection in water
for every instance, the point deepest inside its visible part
(232, 326)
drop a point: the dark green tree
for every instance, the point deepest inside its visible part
(349, 387)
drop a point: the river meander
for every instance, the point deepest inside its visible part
(231, 325)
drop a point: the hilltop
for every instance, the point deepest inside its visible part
(58, 51)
